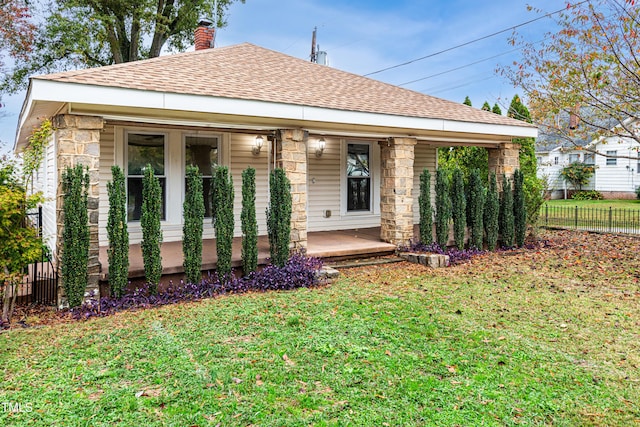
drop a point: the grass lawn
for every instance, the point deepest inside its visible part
(540, 337)
(601, 204)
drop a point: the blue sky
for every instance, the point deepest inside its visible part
(365, 36)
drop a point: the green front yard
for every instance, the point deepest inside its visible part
(541, 337)
(600, 204)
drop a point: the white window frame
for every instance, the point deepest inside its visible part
(611, 161)
(374, 160)
(146, 131)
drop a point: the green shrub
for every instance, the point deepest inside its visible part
(458, 208)
(249, 222)
(193, 215)
(638, 192)
(151, 231)
(519, 209)
(279, 217)
(535, 190)
(118, 233)
(75, 237)
(506, 214)
(426, 212)
(587, 195)
(443, 208)
(476, 209)
(223, 219)
(491, 213)
(577, 174)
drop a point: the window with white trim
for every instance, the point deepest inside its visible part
(556, 160)
(202, 151)
(589, 158)
(574, 158)
(144, 149)
(358, 177)
(611, 159)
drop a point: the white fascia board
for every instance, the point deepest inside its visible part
(47, 90)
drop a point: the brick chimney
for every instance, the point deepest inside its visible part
(574, 117)
(204, 34)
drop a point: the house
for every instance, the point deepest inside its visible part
(352, 147)
(616, 161)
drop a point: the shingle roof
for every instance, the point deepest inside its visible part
(249, 72)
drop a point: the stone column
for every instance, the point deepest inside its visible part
(504, 160)
(396, 199)
(78, 143)
(291, 155)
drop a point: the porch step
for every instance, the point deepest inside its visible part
(363, 262)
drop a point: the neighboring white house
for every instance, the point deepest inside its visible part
(617, 163)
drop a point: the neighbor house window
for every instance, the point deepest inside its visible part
(358, 177)
(589, 158)
(202, 151)
(142, 150)
(556, 160)
(574, 158)
(611, 159)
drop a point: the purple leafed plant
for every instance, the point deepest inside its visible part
(300, 271)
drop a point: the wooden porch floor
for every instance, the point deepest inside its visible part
(322, 244)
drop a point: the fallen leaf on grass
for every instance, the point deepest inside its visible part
(287, 360)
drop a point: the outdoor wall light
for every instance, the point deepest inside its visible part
(257, 145)
(320, 148)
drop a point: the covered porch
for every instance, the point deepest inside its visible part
(340, 244)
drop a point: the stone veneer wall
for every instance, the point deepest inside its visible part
(396, 199)
(291, 155)
(504, 160)
(78, 143)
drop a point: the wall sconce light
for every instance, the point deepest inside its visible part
(257, 145)
(320, 148)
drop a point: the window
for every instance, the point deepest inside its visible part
(574, 158)
(589, 158)
(358, 178)
(611, 159)
(556, 160)
(638, 165)
(202, 151)
(539, 159)
(142, 150)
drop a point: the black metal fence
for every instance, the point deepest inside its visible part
(607, 220)
(40, 283)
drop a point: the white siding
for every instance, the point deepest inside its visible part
(425, 157)
(326, 177)
(107, 159)
(242, 157)
(623, 176)
(48, 177)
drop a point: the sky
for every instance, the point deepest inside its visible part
(363, 37)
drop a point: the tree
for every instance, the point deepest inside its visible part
(426, 212)
(519, 211)
(279, 217)
(193, 216)
(496, 109)
(506, 213)
(223, 220)
(75, 235)
(491, 213)
(90, 33)
(151, 230)
(486, 106)
(459, 208)
(577, 174)
(475, 207)
(117, 232)
(443, 208)
(249, 222)
(584, 82)
(467, 101)
(16, 31)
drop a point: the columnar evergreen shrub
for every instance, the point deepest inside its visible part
(249, 221)
(426, 212)
(223, 219)
(519, 208)
(443, 208)
(75, 237)
(151, 231)
(506, 213)
(476, 209)
(279, 217)
(492, 213)
(459, 208)
(193, 214)
(118, 233)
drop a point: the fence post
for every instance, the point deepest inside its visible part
(546, 215)
(576, 219)
(610, 219)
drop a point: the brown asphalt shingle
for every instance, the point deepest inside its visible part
(249, 72)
